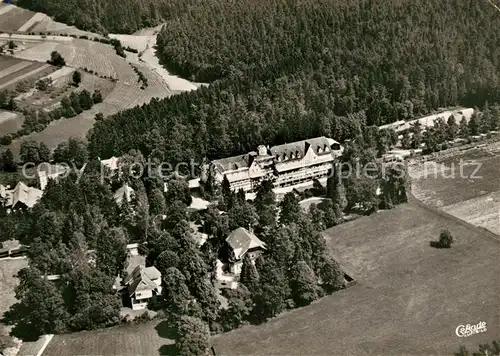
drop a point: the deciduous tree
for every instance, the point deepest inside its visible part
(77, 78)
(40, 308)
(7, 162)
(193, 337)
(331, 275)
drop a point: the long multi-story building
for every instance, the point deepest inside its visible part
(286, 165)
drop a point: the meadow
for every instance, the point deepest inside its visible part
(8, 281)
(409, 298)
(472, 195)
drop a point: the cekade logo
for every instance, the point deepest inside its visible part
(468, 330)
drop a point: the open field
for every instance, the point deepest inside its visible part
(471, 195)
(7, 68)
(8, 269)
(10, 122)
(409, 298)
(145, 339)
(61, 130)
(13, 71)
(482, 211)
(32, 348)
(119, 97)
(98, 57)
(14, 19)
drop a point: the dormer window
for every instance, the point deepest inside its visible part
(278, 157)
(284, 156)
(320, 150)
(327, 148)
(298, 155)
(292, 155)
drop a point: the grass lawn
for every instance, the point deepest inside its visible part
(8, 270)
(409, 299)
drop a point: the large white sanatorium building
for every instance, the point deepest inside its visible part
(286, 165)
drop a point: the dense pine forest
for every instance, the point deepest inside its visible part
(284, 70)
(116, 16)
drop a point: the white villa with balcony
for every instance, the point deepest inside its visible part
(142, 284)
(240, 243)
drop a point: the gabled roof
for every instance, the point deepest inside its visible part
(142, 278)
(111, 163)
(23, 194)
(297, 150)
(235, 162)
(124, 191)
(241, 240)
(288, 152)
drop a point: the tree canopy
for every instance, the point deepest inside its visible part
(310, 68)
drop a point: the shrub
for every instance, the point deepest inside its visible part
(97, 97)
(43, 84)
(11, 45)
(56, 59)
(445, 239)
(77, 78)
(6, 140)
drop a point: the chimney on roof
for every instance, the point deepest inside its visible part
(262, 150)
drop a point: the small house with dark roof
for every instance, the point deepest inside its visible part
(240, 243)
(142, 284)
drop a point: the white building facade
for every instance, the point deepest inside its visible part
(286, 165)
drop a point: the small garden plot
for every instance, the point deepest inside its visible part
(61, 86)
